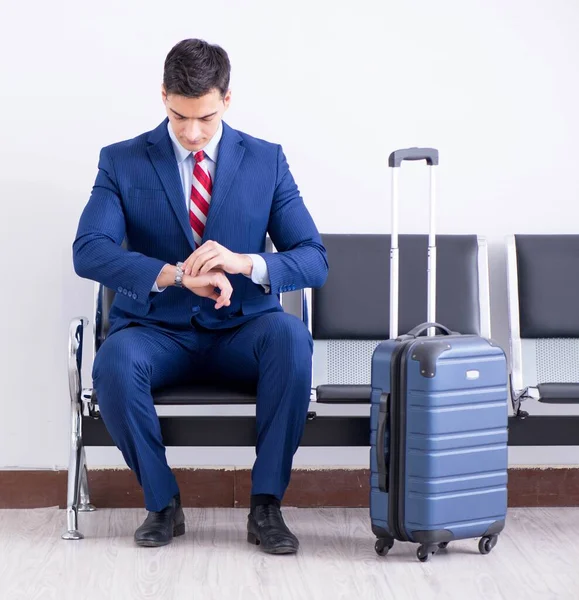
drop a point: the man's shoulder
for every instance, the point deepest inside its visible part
(127, 146)
(130, 146)
(257, 144)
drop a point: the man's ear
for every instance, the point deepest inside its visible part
(227, 99)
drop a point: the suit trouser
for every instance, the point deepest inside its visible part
(274, 349)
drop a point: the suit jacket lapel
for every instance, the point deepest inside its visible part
(163, 158)
(228, 160)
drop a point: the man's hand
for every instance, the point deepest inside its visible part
(205, 286)
(212, 255)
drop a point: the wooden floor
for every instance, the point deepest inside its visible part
(537, 556)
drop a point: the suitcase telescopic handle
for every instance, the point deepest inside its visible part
(380, 449)
(430, 155)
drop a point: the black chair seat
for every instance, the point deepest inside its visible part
(201, 394)
(559, 393)
(343, 394)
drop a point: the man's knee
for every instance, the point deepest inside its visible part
(289, 345)
(287, 331)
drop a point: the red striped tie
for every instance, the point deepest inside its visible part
(200, 197)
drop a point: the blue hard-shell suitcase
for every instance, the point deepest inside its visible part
(438, 424)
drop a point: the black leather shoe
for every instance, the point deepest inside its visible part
(266, 527)
(160, 527)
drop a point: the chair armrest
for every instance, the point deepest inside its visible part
(76, 333)
(307, 308)
(559, 393)
(343, 394)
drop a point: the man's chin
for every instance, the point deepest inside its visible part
(193, 147)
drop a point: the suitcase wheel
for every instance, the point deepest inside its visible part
(383, 546)
(487, 543)
(424, 552)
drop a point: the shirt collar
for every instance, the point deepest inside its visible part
(211, 149)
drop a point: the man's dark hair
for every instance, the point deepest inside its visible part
(193, 68)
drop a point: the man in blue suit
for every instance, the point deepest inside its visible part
(196, 293)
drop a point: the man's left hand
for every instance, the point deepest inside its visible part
(212, 255)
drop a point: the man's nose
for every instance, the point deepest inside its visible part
(193, 130)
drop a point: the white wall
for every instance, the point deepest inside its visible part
(492, 84)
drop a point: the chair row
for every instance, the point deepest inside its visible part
(349, 316)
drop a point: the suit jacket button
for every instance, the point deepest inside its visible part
(120, 290)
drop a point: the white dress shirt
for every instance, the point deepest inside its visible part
(186, 164)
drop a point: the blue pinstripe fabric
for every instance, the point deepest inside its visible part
(138, 196)
(273, 350)
(159, 339)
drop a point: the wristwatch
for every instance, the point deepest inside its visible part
(179, 275)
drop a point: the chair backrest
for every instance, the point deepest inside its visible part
(543, 309)
(351, 312)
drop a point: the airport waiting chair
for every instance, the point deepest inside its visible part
(543, 307)
(351, 312)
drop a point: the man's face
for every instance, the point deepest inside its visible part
(196, 120)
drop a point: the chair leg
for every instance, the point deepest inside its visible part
(75, 472)
(85, 505)
(73, 495)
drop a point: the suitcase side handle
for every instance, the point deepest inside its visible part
(420, 329)
(430, 155)
(380, 450)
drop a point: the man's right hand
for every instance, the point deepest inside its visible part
(205, 285)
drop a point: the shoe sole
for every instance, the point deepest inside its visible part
(253, 539)
(177, 531)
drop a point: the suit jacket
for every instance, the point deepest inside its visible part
(138, 199)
